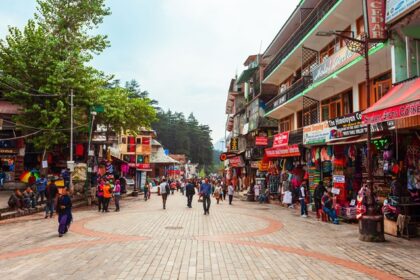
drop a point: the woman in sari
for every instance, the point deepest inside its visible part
(64, 212)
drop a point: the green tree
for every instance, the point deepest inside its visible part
(42, 62)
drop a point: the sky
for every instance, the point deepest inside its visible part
(184, 52)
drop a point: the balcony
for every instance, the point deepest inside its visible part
(289, 93)
(310, 22)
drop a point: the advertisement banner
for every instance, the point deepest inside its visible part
(316, 133)
(255, 164)
(236, 162)
(284, 151)
(374, 16)
(281, 139)
(261, 141)
(396, 8)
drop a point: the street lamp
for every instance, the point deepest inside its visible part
(89, 172)
(368, 224)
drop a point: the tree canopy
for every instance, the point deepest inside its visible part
(185, 136)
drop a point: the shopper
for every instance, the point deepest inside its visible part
(29, 198)
(64, 212)
(217, 193)
(318, 193)
(205, 192)
(190, 192)
(50, 194)
(100, 194)
(302, 199)
(107, 197)
(327, 207)
(225, 190)
(231, 191)
(146, 190)
(117, 195)
(164, 191)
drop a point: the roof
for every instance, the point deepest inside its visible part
(160, 157)
(246, 75)
(9, 108)
(250, 59)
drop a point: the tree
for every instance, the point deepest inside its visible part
(134, 91)
(42, 62)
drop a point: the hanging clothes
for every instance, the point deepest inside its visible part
(79, 150)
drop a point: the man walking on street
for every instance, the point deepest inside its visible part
(190, 192)
(205, 191)
(50, 194)
(164, 191)
(41, 185)
(231, 191)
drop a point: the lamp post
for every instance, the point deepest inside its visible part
(371, 225)
(89, 171)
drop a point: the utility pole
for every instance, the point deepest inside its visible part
(71, 139)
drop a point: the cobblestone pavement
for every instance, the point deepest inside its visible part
(242, 241)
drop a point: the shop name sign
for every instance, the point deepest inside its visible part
(236, 161)
(374, 16)
(284, 151)
(396, 8)
(316, 133)
(261, 141)
(393, 113)
(143, 166)
(333, 63)
(281, 139)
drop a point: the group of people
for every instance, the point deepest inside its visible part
(205, 188)
(106, 189)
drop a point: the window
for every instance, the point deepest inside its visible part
(327, 51)
(378, 88)
(299, 119)
(360, 25)
(339, 105)
(138, 141)
(310, 115)
(285, 124)
(124, 140)
(131, 146)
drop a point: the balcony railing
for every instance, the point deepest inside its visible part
(313, 18)
(289, 93)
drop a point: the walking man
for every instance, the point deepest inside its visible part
(50, 194)
(164, 191)
(205, 191)
(190, 192)
(231, 191)
(41, 186)
(302, 199)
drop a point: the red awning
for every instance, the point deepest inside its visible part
(401, 101)
(284, 151)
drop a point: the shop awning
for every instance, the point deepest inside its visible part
(246, 75)
(401, 101)
(284, 151)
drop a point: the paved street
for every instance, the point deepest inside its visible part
(242, 241)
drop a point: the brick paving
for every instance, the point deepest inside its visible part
(243, 241)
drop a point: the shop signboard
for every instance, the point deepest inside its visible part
(143, 166)
(339, 179)
(316, 134)
(8, 151)
(261, 141)
(283, 151)
(396, 8)
(374, 16)
(234, 145)
(281, 139)
(263, 166)
(333, 63)
(236, 162)
(393, 113)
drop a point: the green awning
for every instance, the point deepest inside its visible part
(246, 75)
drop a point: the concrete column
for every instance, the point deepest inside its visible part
(356, 106)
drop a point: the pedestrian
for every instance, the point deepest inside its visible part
(100, 194)
(107, 196)
(164, 191)
(146, 191)
(51, 192)
(318, 194)
(64, 212)
(217, 193)
(173, 187)
(257, 189)
(205, 192)
(182, 187)
(2, 178)
(231, 191)
(65, 174)
(41, 185)
(225, 190)
(16, 200)
(327, 207)
(117, 195)
(190, 192)
(302, 199)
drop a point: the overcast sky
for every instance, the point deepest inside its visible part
(184, 52)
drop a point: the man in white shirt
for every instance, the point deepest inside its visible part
(164, 190)
(231, 191)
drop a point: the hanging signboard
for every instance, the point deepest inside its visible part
(396, 8)
(261, 141)
(283, 151)
(236, 162)
(316, 133)
(234, 145)
(255, 164)
(281, 139)
(374, 16)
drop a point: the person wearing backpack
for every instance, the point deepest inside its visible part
(302, 199)
(190, 192)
